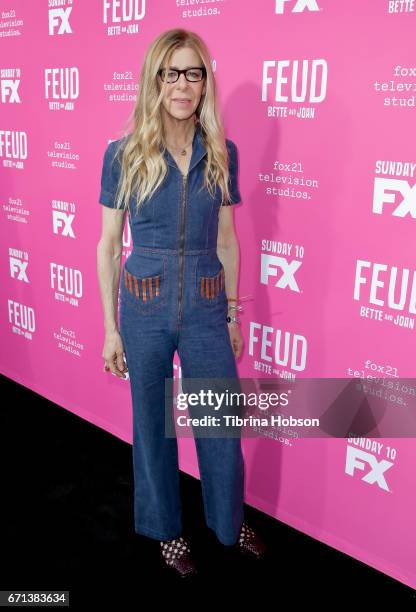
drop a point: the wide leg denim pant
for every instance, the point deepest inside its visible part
(171, 302)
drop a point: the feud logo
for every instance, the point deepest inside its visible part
(13, 145)
(66, 280)
(123, 11)
(21, 316)
(62, 83)
(385, 285)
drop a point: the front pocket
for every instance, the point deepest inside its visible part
(145, 291)
(211, 286)
(210, 282)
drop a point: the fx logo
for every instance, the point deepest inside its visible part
(18, 269)
(9, 93)
(61, 219)
(407, 206)
(58, 18)
(270, 264)
(357, 459)
(300, 6)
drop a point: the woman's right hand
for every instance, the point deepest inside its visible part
(113, 355)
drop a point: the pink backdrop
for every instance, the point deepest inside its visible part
(319, 97)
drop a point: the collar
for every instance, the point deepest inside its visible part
(198, 150)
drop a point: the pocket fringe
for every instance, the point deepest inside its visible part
(144, 289)
(212, 285)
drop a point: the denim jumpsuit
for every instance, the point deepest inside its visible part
(172, 298)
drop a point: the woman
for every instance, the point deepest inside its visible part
(174, 285)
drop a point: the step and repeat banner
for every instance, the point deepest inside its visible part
(319, 96)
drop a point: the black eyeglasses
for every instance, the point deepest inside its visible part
(191, 74)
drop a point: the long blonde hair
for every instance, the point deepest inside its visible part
(143, 167)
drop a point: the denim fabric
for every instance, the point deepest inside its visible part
(172, 298)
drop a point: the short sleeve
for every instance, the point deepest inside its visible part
(110, 175)
(233, 171)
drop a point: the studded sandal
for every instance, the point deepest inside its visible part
(176, 554)
(249, 543)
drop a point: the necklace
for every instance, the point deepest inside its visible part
(182, 150)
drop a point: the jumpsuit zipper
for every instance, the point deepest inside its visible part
(181, 245)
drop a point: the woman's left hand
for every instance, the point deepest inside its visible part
(236, 338)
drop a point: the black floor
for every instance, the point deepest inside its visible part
(66, 523)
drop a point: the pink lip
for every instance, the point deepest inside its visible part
(180, 100)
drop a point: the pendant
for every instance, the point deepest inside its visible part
(183, 152)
